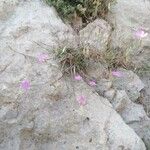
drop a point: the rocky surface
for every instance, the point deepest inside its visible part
(130, 82)
(133, 114)
(95, 36)
(127, 18)
(6, 8)
(145, 93)
(44, 113)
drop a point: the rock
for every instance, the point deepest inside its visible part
(110, 94)
(127, 18)
(8, 113)
(129, 82)
(7, 7)
(42, 121)
(120, 101)
(135, 116)
(48, 115)
(145, 98)
(134, 113)
(129, 111)
(92, 102)
(103, 85)
(95, 36)
(143, 130)
(96, 70)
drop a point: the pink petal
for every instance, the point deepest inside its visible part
(81, 100)
(25, 84)
(92, 83)
(42, 57)
(78, 77)
(117, 73)
(140, 33)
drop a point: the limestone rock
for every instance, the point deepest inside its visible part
(127, 17)
(110, 94)
(97, 70)
(95, 36)
(103, 85)
(48, 116)
(145, 94)
(134, 113)
(120, 101)
(129, 82)
(6, 8)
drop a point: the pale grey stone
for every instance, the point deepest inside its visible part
(103, 85)
(49, 116)
(110, 94)
(134, 113)
(95, 36)
(129, 82)
(120, 101)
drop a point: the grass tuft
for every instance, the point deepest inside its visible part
(72, 60)
(76, 60)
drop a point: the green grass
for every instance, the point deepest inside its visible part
(88, 10)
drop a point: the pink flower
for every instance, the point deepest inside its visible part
(42, 57)
(92, 83)
(117, 73)
(81, 100)
(25, 84)
(78, 77)
(140, 33)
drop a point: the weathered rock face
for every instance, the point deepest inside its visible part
(6, 8)
(133, 114)
(47, 116)
(146, 92)
(129, 82)
(127, 17)
(95, 36)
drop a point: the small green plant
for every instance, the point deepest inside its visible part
(88, 10)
